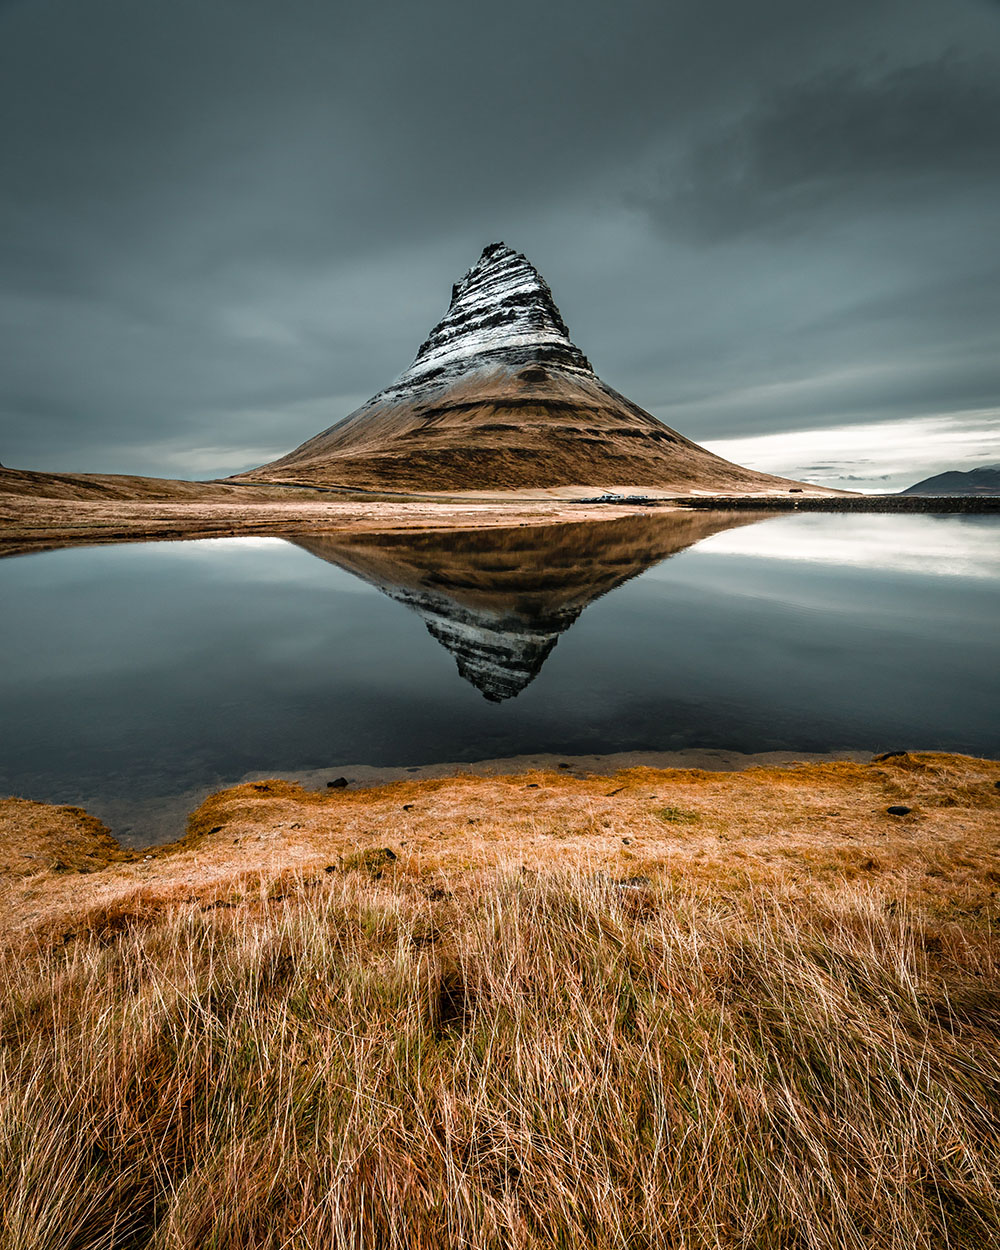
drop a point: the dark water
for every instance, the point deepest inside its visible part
(147, 670)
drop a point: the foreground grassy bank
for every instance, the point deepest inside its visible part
(669, 1009)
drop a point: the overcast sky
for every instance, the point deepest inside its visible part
(773, 223)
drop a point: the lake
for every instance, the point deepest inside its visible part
(134, 674)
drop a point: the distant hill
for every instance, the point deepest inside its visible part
(499, 398)
(982, 481)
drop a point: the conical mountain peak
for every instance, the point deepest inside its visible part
(500, 398)
(502, 315)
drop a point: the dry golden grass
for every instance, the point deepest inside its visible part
(36, 520)
(753, 1024)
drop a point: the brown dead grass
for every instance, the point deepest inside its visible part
(42, 838)
(668, 1008)
(50, 510)
(824, 822)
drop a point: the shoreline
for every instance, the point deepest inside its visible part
(940, 504)
(164, 816)
(44, 512)
(809, 818)
(46, 524)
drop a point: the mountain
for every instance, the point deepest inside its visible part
(498, 599)
(500, 398)
(981, 481)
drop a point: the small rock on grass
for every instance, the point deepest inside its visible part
(898, 809)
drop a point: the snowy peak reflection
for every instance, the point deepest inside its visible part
(498, 599)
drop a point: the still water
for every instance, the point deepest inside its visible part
(143, 671)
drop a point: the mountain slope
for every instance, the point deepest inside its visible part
(500, 398)
(982, 481)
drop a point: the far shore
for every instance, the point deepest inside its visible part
(41, 511)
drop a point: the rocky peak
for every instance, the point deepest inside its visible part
(502, 315)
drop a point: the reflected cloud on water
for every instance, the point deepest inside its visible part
(947, 546)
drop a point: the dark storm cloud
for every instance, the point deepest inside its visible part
(845, 141)
(224, 224)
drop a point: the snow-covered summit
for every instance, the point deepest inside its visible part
(502, 315)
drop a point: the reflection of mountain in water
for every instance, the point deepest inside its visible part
(498, 599)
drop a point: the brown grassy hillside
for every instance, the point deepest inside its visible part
(513, 429)
(121, 486)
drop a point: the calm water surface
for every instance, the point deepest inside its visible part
(140, 671)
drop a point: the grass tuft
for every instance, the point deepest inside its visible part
(538, 1063)
(677, 816)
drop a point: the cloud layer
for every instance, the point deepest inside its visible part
(223, 224)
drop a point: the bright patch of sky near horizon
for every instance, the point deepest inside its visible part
(226, 225)
(868, 457)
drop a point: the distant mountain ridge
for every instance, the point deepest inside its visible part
(982, 481)
(499, 397)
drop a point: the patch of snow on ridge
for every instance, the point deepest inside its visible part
(501, 314)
